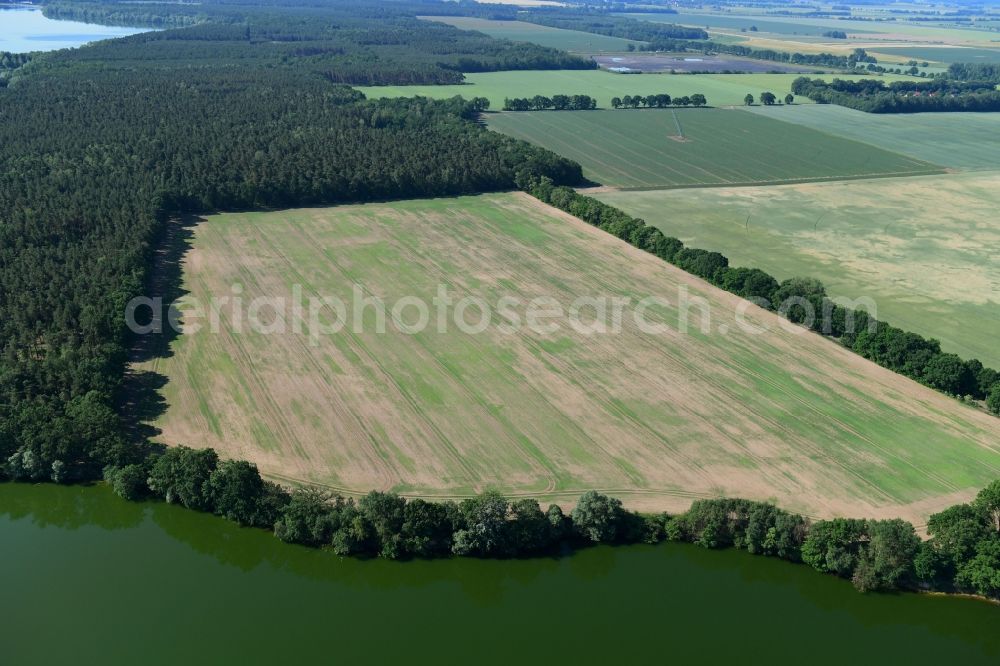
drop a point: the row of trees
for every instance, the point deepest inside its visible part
(658, 101)
(962, 555)
(379, 524)
(802, 300)
(874, 96)
(556, 103)
(601, 23)
(768, 99)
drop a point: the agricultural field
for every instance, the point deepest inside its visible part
(953, 140)
(653, 148)
(573, 41)
(769, 24)
(720, 89)
(657, 418)
(689, 63)
(941, 54)
(925, 249)
(792, 27)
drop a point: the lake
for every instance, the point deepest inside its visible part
(24, 29)
(89, 578)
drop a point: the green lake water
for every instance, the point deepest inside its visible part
(87, 578)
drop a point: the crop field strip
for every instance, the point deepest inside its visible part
(640, 149)
(647, 417)
(954, 140)
(573, 41)
(923, 248)
(720, 89)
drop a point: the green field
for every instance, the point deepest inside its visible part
(945, 55)
(656, 417)
(791, 27)
(720, 89)
(953, 140)
(643, 148)
(925, 249)
(519, 31)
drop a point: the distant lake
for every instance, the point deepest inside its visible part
(24, 29)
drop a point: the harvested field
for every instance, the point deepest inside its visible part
(639, 148)
(657, 418)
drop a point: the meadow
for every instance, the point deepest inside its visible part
(923, 248)
(652, 148)
(941, 54)
(573, 41)
(953, 140)
(720, 89)
(792, 27)
(655, 418)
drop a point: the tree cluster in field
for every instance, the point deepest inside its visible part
(964, 71)
(555, 103)
(835, 34)
(768, 99)
(100, 146)
(801, 300)
(963, 553)
(601, 23)
(658, 101)
(874, 96)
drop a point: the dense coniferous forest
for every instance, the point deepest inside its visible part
(801, 300)
(873, 96)
(99, 146)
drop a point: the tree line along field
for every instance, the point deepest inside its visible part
(923, 248)
(720, 89)
(655, 419)
(656, 148)
(953, 140)
(573, 41)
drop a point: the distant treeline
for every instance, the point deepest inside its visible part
(801, 300)
(874, 96)
(352, 43)
(556, 103)
(600, 23)
(659, 101)
(835, 34)
(810, 59)
(962, 555)
(963, 71)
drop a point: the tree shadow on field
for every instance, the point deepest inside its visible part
(140, 400)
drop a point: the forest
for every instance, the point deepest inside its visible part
(801, 300)
(100, 146)
(874, 96)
